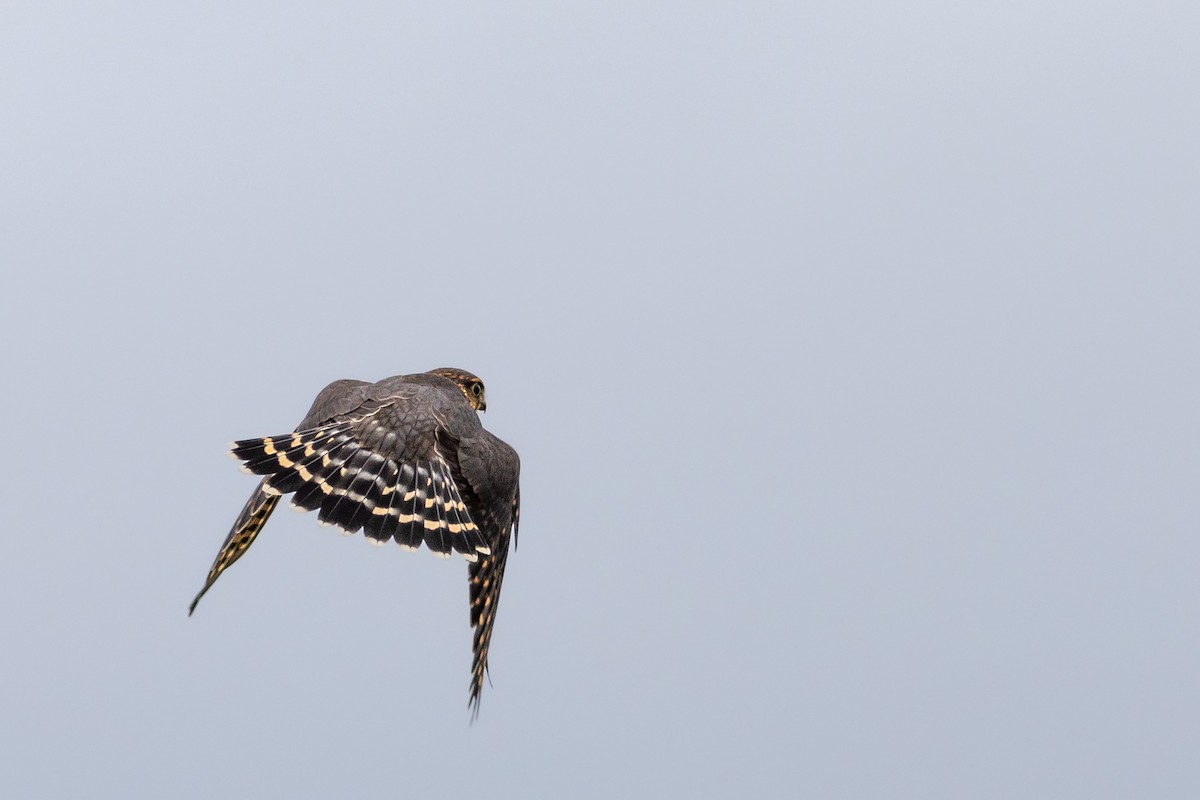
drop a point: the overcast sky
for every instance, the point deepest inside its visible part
(849, 348)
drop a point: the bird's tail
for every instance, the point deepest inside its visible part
(254, 515)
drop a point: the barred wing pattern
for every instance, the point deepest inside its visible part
(254, 515)
(404, 459)
(486, 575)
(349, 473)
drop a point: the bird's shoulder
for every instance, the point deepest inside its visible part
(411, 397)
(336, 400)
(490, 464)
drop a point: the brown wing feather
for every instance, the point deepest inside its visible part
(382, 457)
(380, 471)
(254, 515)
(491, 471)
(338, 398)
(486, 578)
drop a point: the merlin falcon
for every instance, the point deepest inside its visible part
(405, 459)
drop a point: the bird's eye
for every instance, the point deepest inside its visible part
(477, 389)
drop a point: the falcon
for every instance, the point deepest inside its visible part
(406, 460)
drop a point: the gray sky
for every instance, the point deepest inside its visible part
(850, 350)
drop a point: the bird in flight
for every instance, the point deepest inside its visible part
(405, 459)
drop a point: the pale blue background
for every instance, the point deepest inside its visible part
(850, 348)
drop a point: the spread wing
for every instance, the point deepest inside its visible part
(403, 465)
(359, 473)
(335, 399)
(379, 470)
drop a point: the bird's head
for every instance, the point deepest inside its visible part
(468, 384)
